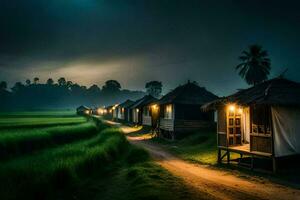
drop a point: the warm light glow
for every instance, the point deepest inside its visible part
(137, 110)
(123, 110)
(169, 108)
(154, 107)
(100, 111)
(231, 108)
(87, 112)
(240, 110)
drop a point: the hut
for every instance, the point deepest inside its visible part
(261, 121)
(115, 112)
(123, 110)
(105, 112)
(136, 109)
(150, 112)
(180, 110)
(83, 110)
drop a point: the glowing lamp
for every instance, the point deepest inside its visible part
(231, 108)
(137, 110)
(154, 107)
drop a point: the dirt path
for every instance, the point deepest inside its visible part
(217, 184)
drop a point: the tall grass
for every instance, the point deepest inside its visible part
(60, 169)
(38, 121)
(200, 146)
(15, 142)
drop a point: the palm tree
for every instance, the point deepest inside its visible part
(50, 81)
(255, 66)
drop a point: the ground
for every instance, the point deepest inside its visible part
(214, 183)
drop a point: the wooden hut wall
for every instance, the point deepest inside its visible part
(261, 129)
(146, 117)
(192, 112)
(167, 117)
(222, 127)
(190, 117)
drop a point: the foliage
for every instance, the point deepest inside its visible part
(255, 66)
(3, 85)
(111, 86)
(63, 94)
(154, 88)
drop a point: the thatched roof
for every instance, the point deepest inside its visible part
(83, 108)
(189, 93)
(126, 103)
(277, 91)
(109, 107)
(148, 99)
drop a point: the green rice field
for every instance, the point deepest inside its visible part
(59, 155)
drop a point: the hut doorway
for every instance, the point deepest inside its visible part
(234, 126)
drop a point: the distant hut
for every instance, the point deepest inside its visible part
(84, 110)
(262, 121)
(123, 110)
(137, 108)
(180, 110)
(107, 114)
(150, 112)
(115, 112)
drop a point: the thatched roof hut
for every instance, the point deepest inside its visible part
(122, 110)
(136, 109)
(180, 109)
(83, 110)
(263, 119)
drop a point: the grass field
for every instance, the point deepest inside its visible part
(196, 147)
(47, 157)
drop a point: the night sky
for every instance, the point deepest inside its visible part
(91, 41)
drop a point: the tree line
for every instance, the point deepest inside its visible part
(65, 94)
(254, 68)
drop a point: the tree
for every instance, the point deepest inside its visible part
(62, 81)
(17, 87)
(154, 88)
(36, 80)
(69, 84)
(50, 81)
(255, 66)
(28, 82)
(94, 89)
(111, 86)
(3, 85)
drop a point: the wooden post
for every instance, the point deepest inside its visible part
(252, 162)
(219, 156)
(274, 165)
(241, 156)
(228, 157)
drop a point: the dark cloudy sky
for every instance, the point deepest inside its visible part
(134, 41)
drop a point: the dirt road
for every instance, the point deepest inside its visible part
(217, 184)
